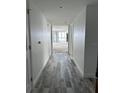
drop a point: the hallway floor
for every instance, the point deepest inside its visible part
(60, 47)
(61, 75)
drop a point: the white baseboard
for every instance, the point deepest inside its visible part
(81, 72)
(89, 75)
(28, 89)
(38, 76)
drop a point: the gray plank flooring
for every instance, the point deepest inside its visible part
(61, 75)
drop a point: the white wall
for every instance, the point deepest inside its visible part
(83, 40)
(91, 43)
(77, 29)
(40, 31)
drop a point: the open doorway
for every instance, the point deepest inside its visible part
(60, 39)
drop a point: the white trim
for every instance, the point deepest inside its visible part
(81, 72)
(89, 75)
(38, 76)
(28, 89)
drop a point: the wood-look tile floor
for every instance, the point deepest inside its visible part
(61, 75)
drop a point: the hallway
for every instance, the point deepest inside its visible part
(61, 75)
(62, 46)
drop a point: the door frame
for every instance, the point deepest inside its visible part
(51, 39)
(70, 43)
(29, 74)
(68, 37)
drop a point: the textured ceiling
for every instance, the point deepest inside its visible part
(61, 12)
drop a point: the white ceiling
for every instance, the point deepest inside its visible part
(61, 16)
(62, 28)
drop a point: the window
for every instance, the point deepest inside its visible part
(62, 36)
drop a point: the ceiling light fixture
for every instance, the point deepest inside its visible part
(61, 7)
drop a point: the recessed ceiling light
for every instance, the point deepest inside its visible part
(61, 7)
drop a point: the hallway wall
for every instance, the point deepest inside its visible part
(40, 32)
(78, 40)
(91, 43)
(83, 40)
